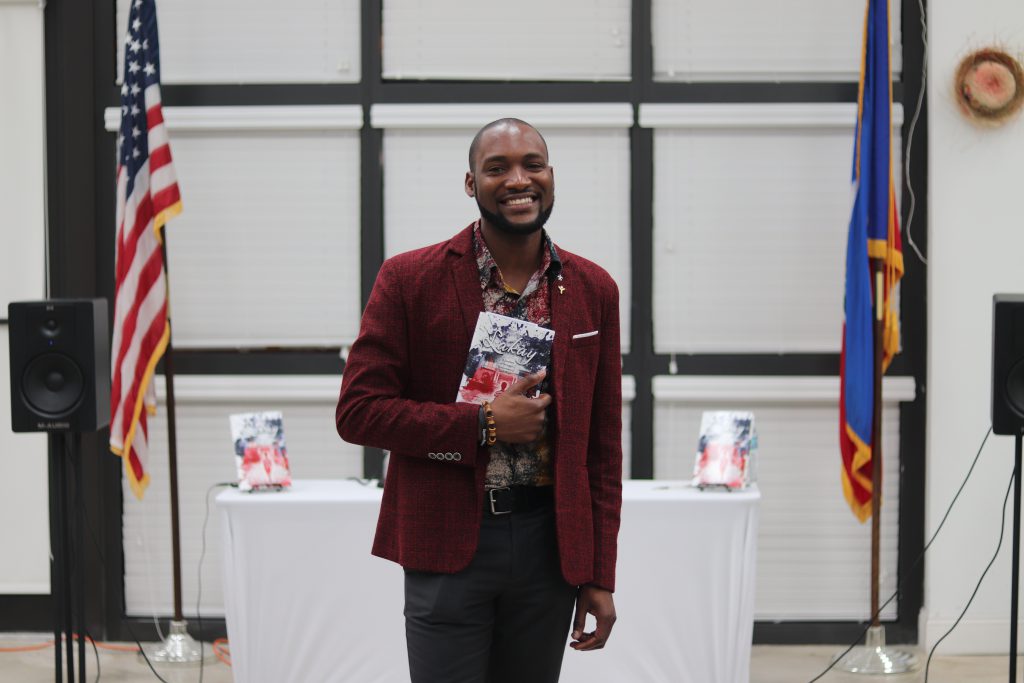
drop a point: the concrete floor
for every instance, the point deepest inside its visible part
(769, 664)
(801, 663)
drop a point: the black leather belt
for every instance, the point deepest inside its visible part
(517, 499)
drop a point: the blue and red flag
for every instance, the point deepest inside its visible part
(874, 234)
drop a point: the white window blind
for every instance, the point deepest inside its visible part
(813, 555)
(25, 567)
(748, 40)
(23, 149)
(751, 214)
(425, 163)
(265, 252)
(205, 457)
(533, 40)
(254, 41)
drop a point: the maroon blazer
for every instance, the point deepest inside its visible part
(398, 393)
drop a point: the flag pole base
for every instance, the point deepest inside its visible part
(177, 648)
(875, 658)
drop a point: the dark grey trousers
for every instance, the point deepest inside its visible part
(503, 619)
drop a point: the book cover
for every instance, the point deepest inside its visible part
(725, 450)
(503, 350)
(260, 452)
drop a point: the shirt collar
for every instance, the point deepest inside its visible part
(551, 264)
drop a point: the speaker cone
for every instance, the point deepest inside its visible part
(53, 384)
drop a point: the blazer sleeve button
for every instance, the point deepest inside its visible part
(448, 456)
(458, 457)
(431, 456)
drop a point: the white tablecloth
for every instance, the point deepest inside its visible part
(307, 603)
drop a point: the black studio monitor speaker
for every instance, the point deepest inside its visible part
(1008, 363)
(60, 365)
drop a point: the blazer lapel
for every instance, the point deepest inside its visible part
(466, 280)
(565, 300)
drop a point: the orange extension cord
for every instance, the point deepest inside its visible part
(220, 648)
(49, 643)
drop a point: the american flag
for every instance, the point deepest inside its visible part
(147, 196)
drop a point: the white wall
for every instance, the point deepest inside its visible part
(976, 248)
(24, 564)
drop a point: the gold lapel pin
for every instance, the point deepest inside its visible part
(561, 289)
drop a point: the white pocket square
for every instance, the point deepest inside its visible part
(581, 335)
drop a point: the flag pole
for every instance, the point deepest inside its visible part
(874, 656)
(172, 442)
(876, 436)
(178, 647)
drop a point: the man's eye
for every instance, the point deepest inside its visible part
(494, 169)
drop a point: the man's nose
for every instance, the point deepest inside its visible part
(518, 177)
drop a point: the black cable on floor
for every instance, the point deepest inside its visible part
(913, 565)
(142, 652)
(95, 651)
(1002, 529)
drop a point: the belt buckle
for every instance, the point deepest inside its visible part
(490, 497)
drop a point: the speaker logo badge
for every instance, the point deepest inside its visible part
(53, 425)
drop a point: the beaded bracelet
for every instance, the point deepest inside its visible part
(492, 430)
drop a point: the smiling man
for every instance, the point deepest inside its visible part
(501, 541)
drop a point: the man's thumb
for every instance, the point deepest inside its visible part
(578, 624)
(532, 380)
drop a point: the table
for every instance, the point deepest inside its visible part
(684, 590)
(305, 601)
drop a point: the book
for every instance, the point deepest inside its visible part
(503, 351)
(725, 450)
(260, 452)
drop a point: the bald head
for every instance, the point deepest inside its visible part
(500, 123)
(510, 178)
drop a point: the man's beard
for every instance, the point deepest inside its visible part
(509, 228)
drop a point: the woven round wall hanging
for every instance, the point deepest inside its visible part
(990, 86)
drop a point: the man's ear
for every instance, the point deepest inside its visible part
(470, 184)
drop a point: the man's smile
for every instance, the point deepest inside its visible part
(519, 201)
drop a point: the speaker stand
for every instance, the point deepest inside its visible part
(1015, 560)
(66, 537)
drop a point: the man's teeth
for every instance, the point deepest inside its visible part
(519, 201)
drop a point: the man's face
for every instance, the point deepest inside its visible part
(511, 181)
